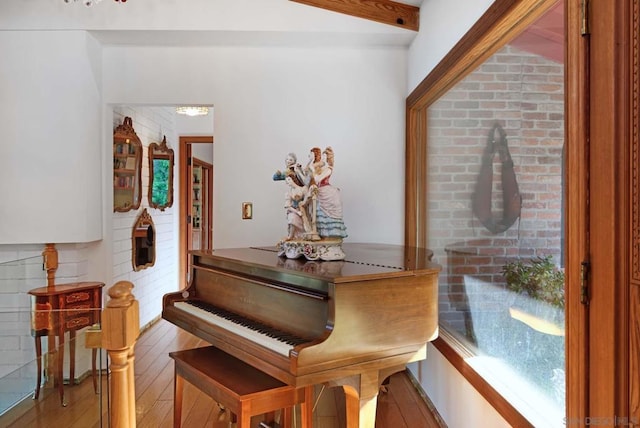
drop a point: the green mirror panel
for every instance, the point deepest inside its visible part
(143, 242)
(160, 175)
(160, 186)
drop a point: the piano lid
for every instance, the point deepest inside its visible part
(363, 261)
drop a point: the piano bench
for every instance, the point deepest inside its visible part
(242, 389)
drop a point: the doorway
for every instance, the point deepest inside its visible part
(196, 199)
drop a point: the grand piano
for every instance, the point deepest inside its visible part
(349, 323)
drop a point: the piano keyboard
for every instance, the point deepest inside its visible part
(276, 340)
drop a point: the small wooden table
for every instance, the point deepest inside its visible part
(59, 309)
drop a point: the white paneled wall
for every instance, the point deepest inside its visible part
(150, 124)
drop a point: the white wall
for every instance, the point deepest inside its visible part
(450, 392)
(204, 152)
(440, 30)
(195, 125)
(50, 151)
(271, 101)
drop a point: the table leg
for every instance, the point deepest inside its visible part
(52, 356)
(59, 371)
(36, 394)
(72, 357)
(94, 352)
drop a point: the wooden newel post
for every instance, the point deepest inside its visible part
(120, 330)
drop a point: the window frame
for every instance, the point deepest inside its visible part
(502, 20)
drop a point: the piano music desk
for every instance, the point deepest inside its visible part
(59, 309)
(241, 388)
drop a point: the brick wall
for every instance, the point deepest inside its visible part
(524, 93)
(150, 124)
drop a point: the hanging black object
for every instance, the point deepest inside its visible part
(511, 199)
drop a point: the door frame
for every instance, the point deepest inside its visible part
(612, 100)
(184, 181)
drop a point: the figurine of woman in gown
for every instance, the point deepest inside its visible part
(329, 202)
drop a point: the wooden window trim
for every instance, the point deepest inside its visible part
(503, 20)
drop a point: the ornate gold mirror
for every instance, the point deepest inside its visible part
(143, 242)
(160, 175)
(127, 166)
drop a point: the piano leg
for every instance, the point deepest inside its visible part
(361, 411)
(361, 394)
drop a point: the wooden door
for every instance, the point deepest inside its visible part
(186, 203)
(613, 155)
(201, 205)
(576, 216)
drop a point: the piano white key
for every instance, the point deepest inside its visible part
(255, 336)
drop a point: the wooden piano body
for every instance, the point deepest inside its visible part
(360, 319)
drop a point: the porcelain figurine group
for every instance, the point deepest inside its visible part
(313, 208)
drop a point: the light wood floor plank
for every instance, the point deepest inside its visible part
(161, 410)
(411, 405)
(400, 407)
(202, 412)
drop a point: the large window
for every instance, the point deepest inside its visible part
(491, 143)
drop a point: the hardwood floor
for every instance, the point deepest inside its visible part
(400, 407)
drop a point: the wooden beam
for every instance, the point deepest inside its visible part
(385, 11)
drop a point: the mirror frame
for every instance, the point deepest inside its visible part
(126, 134)
(140, 231)
(161, 151)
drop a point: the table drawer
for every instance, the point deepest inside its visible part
(80, 314)
(78, 322)
(76, 297)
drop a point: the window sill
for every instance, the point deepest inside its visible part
(507, 398)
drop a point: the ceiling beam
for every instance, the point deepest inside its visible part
(385, 11)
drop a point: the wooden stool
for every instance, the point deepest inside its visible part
(239, 387)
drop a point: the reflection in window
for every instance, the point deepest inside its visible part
(495, 144)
